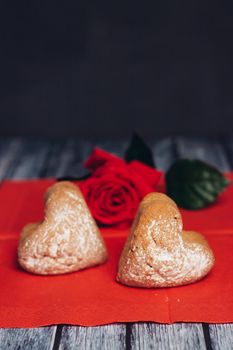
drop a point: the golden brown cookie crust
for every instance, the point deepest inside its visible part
(158, 253)
(66, 240)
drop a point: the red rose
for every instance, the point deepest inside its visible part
(115, 188)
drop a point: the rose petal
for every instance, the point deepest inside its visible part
(150, 175)
(115, 188)
(98, 158)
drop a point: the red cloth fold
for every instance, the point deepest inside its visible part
(92, 296)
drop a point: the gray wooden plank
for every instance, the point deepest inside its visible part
(9, 154)
(35, 158)
(31, 160)
(27, 339)
(207, 150)
(116, 147)
(70, 160)
(65, 159)
(24, 159)
(221, 336)
(53, 160)
(163, 152)
(213, 152)
(156, 336)
(93, 338)
(178, 336)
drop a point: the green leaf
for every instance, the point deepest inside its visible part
(194, 184)
(139, 150)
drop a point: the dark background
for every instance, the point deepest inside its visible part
(95, 69)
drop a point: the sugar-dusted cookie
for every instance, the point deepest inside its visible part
(158, 253)
(66, 240)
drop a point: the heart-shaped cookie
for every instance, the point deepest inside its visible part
(158, 253)
(66, 240)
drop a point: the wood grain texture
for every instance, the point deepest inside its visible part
(221, 336)
(203, 149)
(10, 152)
(24, 159)
(27, 339)
(164, 155)
(36, 158)
(178, 336)
(31, 160)
(69, 160)
(93, 338)
(117, 147)
(155, 336)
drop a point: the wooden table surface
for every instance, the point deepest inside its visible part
(23, 158)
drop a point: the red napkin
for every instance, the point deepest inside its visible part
(92, 296)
